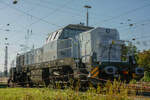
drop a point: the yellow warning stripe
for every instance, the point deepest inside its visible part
(94, 70)
(93, 76)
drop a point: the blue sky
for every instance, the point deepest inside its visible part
(46, 16)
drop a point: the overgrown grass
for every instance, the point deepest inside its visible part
(111, 91)
(133, 81)
(49, 94)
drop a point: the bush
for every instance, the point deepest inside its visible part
(146, 77)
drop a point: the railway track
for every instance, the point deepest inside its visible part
(141, 88)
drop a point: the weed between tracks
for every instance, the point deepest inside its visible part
(111, 91)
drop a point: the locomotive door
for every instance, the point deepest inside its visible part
(45, 75)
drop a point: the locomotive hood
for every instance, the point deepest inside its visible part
(103, 42)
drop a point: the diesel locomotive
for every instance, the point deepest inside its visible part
(76, 52)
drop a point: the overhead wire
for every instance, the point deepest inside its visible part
(134, 23)
(40, 18)
(74, 10)
(29, 14)
(19, 25)
(125, 13)
(58, 9)
(142, 40)
(23, 12)
(48, 7)
(16, 20)
(143, 37)
(66, 6)
(37, 18)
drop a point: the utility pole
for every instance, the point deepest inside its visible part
(6, 59)
(87, 14)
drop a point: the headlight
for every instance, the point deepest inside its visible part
(139, 71)
(110, 70)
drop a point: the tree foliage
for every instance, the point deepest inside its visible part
(144, 59)
(127, 50)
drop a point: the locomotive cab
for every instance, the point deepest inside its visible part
(104, 47)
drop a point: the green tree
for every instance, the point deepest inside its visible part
(130, 48)
(144, 59)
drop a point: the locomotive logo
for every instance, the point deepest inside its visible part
(107, 30)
